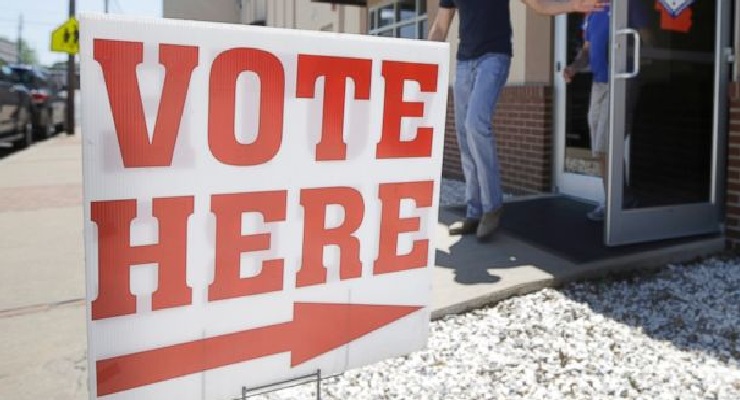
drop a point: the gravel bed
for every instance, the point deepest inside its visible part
(452, 192)
(672, 334)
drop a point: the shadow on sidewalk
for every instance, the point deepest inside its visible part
(471, 261)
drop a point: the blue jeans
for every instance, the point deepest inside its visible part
(478, 84)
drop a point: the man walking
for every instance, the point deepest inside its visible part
(483, 61)
(595, 54)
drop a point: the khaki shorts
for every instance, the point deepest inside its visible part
(598, 118)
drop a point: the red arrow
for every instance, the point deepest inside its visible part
(316, 329)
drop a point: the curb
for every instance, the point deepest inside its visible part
(625, 264)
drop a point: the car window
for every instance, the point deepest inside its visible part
(25, 76)
(5, 73)
(31, 78)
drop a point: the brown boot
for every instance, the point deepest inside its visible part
(465, 227)
(488, 225)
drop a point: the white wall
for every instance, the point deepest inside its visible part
(304, 14)
(532, 45)
(211, 10)
(253, 10)
(292, 14)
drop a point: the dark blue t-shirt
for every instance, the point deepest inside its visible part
(485, 27)
(596, 28)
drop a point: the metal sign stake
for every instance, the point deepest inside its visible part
(289, 383)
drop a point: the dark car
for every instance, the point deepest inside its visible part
(47, 106)
(16, 126)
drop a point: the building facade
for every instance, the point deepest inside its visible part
(8, 51)
(682, 152)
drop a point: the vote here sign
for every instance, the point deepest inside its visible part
(259, 203)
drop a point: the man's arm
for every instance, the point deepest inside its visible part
(555, 7)
(580, 62)
(441, 25)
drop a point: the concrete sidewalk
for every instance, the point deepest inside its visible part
(42, 311)
(42, 307)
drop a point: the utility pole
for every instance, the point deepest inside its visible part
(71, 81)
(106, 3)
(19, 57)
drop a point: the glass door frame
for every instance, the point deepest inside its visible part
(646, 224)
(572, 184)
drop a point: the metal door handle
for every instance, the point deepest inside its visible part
(636, 60)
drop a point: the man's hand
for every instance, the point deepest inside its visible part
(556, 7)
(580, 62)
(568, 73)
(586, 6)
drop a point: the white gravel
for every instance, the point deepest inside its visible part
(452, 192)
(674, 334)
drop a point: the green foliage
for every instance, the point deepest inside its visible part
(28, 54)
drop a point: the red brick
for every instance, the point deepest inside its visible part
(522, 126)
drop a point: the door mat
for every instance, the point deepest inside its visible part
(559, 225)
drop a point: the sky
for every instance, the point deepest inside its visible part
(43, 16)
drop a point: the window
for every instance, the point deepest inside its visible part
(407, 31)
(386, 16)
(406, 11)
(400, 19)
(5, 73)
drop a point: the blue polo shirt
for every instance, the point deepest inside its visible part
(596, 32)
(485, 27)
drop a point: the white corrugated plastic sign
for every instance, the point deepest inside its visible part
(259, 203)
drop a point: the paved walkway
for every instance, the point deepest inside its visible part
(42, 308)
(42, 311)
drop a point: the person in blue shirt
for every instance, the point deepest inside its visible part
(483, 61)
(595, 53)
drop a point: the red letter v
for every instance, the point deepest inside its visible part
(118, 60)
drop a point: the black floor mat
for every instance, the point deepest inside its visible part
(559, 225)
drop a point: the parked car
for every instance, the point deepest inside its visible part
(16, 125)
(47, 106)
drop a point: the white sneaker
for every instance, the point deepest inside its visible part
(597, 214)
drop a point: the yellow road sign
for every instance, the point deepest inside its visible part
(66, 38)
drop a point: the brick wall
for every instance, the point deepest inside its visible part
(523, 127)
(732, 198)
(451, 167)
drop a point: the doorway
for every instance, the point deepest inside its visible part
(576, 169)
(666, 126)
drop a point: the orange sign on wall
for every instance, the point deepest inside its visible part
(675, 15)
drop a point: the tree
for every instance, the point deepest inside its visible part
(28, 53)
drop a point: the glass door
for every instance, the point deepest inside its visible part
(667, 110)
